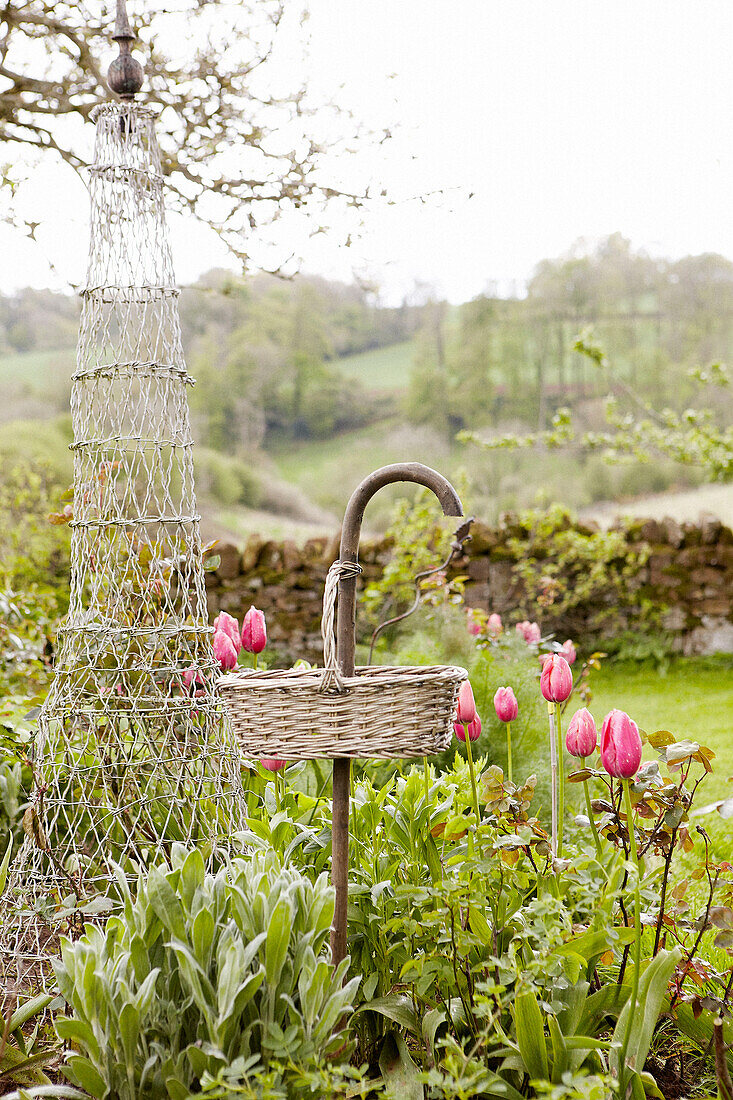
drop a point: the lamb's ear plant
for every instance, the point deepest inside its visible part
(198, 972)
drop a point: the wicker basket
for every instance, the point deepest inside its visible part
(381, 712)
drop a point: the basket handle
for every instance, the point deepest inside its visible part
(332, 680)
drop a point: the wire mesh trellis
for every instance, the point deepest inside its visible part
(131, 754)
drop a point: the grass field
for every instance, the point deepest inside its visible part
(385, 370)
(327, 471)
(694, 700)
(34, 368)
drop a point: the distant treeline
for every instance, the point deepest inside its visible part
(265, 355)
(649, 321)
(265, 352)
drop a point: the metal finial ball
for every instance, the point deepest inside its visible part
(125, 74)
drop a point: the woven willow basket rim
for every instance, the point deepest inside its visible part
(366, 677)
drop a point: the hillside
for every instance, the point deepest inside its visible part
(304, 386)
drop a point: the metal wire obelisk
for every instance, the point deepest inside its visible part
(131, 755)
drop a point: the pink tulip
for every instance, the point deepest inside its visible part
(556, 680)
(582, 736)
(273, 765)
(494, 625)
(505, 705)
(254, 631)
(529, 631)
(568, 651)
(466, 703)
(620, 745)
(224, 651)
(473, 623)
(474, 729)
(227, 624)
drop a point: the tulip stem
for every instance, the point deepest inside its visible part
(254, 660)
(469, 755)
(426, 776)
(553, 776)
(277, 792)
(561, 784)
(509, 751)
(634, 1001)
(589, 807)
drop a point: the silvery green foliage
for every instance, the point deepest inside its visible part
(198, 971)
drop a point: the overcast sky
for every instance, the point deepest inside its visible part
(540, 122)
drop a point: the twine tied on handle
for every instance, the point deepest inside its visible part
(332, 680)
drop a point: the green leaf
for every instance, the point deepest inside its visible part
(652, 995)
(277, 942)
(28, 1009)
(479, 924)
(370, 985)
(73, 1030)
(590, 944)
(531, 1035)
(82, 1073)
(431, 1021)
(608, 1001)
(22, 1069)
(166, 904)
(650, 1086)
(559, 1050)
(129, 1025)
(401, 1075)
(396, 1007)
(4, 866)
(58, 1092)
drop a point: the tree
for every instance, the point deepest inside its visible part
(237, 154)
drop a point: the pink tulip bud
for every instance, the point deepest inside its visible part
(254, 631)
(494, 625)
(273, 765)
(556, 680)
(474, 729)
(620, 745)
(582, 736)
(227, 624)
(505, 704)
(224, 651)
(466, 703)
(568, 651)
(192, 675)
(529, 631)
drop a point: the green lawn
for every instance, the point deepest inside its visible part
(383, 369)
(693, 700)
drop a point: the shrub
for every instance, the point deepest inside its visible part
(567, 569)
(201, 973)
(228, 480)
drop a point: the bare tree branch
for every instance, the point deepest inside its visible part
(223, 132)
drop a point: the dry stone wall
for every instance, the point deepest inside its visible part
(688, 572)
